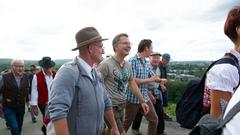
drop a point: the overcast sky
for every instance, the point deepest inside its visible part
(187, 29)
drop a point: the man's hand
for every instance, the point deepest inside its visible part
(163, 88)
(152, 98)
(35, 110)
(155, 78)
(163, 84)
(114, 131)
(145, 108)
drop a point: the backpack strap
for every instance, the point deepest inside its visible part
(230, 115)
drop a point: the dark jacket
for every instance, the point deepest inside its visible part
(163, 69)
(12, 95)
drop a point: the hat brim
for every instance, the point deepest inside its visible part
(74, 49)
(48, 65)
(154, 54)
(166, 58)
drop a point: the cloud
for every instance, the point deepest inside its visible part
(189, 29)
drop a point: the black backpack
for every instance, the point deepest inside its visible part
(190, 108)
(209, 125)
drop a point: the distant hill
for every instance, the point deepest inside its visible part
(191, 62)
(5, 63)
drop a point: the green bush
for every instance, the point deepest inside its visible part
(171, 109)
(175, 90)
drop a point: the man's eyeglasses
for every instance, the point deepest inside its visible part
(100, 46)
(18, 66)
(125, 43)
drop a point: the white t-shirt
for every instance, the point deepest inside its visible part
(223, 77)
(233, 126)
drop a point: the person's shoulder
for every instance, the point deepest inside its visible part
(25, 75)
(110, 62)
(224, 68)
(7, 74)
(107, 61)
(70, 66)
(133, 59)
(127, 63)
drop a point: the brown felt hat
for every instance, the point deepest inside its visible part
(86, 36)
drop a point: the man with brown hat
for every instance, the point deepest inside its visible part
(41, 87)
(78, 99)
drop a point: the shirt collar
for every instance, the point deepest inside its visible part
(21, 75)
(142, 60)
(45, 73)
(85, 66)
(115, 59)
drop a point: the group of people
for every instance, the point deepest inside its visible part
(89, 94)
(110, 91)
(17, 88)
(107, 93)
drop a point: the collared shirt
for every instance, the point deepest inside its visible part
(86, 67)
(34, 93)
(19, 80)
(140, 70)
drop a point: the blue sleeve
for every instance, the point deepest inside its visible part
(107, 101)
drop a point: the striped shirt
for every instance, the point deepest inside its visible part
(140, 70)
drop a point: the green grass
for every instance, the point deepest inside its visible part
(171, 109)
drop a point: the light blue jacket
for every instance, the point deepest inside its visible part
(79, 99)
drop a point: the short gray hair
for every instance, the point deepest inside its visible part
(117, 38)
(14, 61)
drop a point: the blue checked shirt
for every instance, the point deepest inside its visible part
(141, 70)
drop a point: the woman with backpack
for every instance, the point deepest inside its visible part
(232, 30)
(223, 79)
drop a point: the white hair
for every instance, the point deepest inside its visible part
(14, 61)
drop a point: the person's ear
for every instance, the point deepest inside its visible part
(90, 48)
(238, 30)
